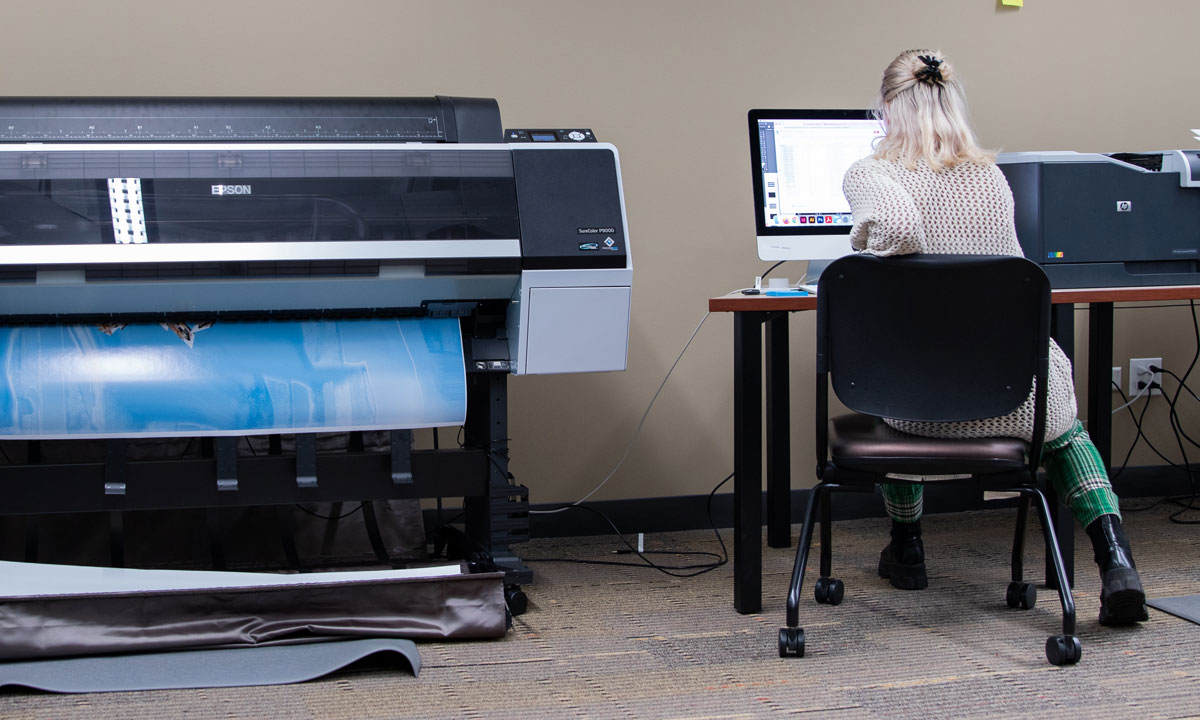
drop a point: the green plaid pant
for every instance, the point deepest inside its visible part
(1072, 464)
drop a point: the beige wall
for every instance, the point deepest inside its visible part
(669, 83)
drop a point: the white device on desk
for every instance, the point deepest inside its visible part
(798, 159)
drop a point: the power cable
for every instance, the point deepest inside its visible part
(637, 432)
(672, 570)
(768, 272)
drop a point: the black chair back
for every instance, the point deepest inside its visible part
(932, 337)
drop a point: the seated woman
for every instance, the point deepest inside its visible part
(930, 188)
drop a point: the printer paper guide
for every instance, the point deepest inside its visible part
(233, 378)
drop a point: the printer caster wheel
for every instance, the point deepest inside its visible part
(515, 599)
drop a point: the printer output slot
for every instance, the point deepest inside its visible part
(280, 269)
(1161, 267)
(1146, 161)
(178, 271)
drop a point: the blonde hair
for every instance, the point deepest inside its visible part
(924, 109)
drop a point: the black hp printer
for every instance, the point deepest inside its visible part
(1096, 220)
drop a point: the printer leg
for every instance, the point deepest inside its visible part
(501, 517)
(457, 545)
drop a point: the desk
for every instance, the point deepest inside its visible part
(753, 313)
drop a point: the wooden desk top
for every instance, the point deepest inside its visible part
(1126, 294)
(738, 302)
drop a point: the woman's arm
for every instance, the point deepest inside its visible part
(886, 219)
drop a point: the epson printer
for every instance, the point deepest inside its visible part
(153, 208)
(133, 210)
(1097, 220)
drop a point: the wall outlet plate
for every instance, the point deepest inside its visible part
(1139, 371)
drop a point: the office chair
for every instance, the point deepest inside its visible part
(930, 338)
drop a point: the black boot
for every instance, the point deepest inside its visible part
(1122, 599)
(902, 562)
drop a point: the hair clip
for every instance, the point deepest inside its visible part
(932, 72)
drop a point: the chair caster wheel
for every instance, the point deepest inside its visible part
(516, 599)
(1021, 595)
(829, 591)
(1063, 649)
(791, 642)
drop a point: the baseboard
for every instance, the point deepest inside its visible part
(690, 512)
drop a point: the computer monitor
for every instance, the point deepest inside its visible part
(799, 158)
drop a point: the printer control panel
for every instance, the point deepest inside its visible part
(569, 135)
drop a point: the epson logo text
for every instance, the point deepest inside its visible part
(230, 189)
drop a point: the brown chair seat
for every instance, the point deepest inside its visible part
(866, 443)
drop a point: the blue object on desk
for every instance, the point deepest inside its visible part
(786, 293)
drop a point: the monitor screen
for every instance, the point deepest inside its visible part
(799, 158)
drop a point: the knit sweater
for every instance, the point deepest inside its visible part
(967, 209)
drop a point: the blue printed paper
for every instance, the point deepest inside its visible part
(230, 378)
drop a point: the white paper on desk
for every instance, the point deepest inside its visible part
(18, 579)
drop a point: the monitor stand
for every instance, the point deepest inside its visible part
(815, 268)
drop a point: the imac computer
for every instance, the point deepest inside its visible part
(799, 158)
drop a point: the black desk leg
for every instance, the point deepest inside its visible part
(779, 448)
(747, 461)
(1099, 414)
(1062, 322)
(1100, 357)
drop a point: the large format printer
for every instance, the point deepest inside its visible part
(1097, 220)
(225, 210)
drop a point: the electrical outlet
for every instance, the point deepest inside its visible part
(1139, 371)
(1116, 379)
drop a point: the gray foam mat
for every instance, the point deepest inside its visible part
(229, 667)
(1184, 606)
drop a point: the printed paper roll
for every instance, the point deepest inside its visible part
(230, 378)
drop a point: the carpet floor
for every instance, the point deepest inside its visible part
(608, 641)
